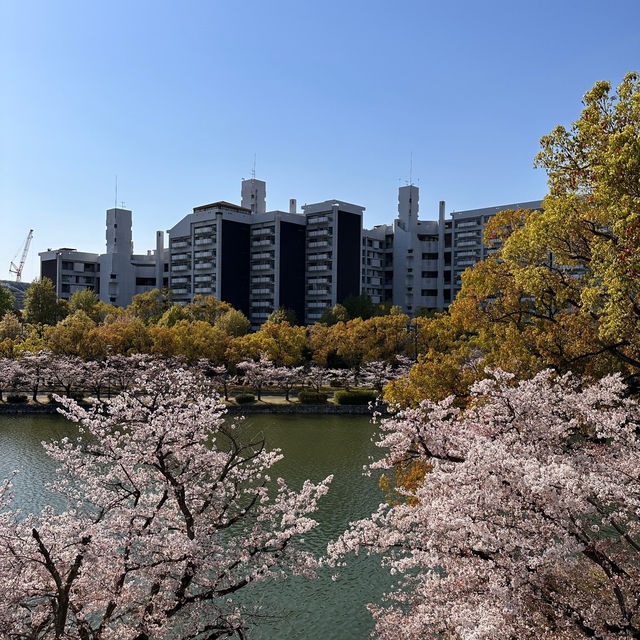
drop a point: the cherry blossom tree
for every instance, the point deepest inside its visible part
(527, 525)
(169, 516)
(11, 372)
(96, 377)
(257, 374)
(318, 377)
(66, 371)
(219, 376)
(36, 370)
(287, 378)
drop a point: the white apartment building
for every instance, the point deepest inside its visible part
(117, 275)
(259, 260)
(333, 255)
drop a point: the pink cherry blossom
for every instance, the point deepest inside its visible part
(169, 515)
(527, 525)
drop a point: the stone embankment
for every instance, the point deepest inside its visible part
(7, 408)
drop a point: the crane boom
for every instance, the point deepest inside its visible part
(17, 269)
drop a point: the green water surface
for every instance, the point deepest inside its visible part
(313, 447)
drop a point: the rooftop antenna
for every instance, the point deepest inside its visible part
(253, 172)
(411, 169)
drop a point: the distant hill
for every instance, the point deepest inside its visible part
(18, 290)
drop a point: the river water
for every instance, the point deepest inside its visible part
(313, 447)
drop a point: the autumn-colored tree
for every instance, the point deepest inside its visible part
(351, 343)
(125, 335)
(562, 288)
(207, 308)
(567, 278)
(191, 340)
(280, 342)
(150, 306)
(70, 336)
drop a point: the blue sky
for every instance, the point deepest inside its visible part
(332, 98)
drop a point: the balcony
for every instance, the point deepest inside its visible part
(263, 231)
(317, 220)
(318, 232)
(203, 241)
(180, 267)
(261, 267)
(179, 244)
(204, 265)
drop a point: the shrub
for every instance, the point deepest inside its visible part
(245, 398)
(17, 398)
(335, 384)
(312, 397)
(355, 396)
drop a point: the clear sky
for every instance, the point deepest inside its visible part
(332, 98)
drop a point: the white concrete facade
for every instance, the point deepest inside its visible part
(115, 276)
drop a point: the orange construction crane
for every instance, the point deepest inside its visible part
(17, 269)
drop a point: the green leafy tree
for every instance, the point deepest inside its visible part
(10, 326)
(282, 314)
(359, 306)
(336, 314)
(233, 322)
(85, 300)
(41, 304)
(6, 300)
(175, 313)
(150, 306)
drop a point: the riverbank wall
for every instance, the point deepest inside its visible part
(245, 409)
